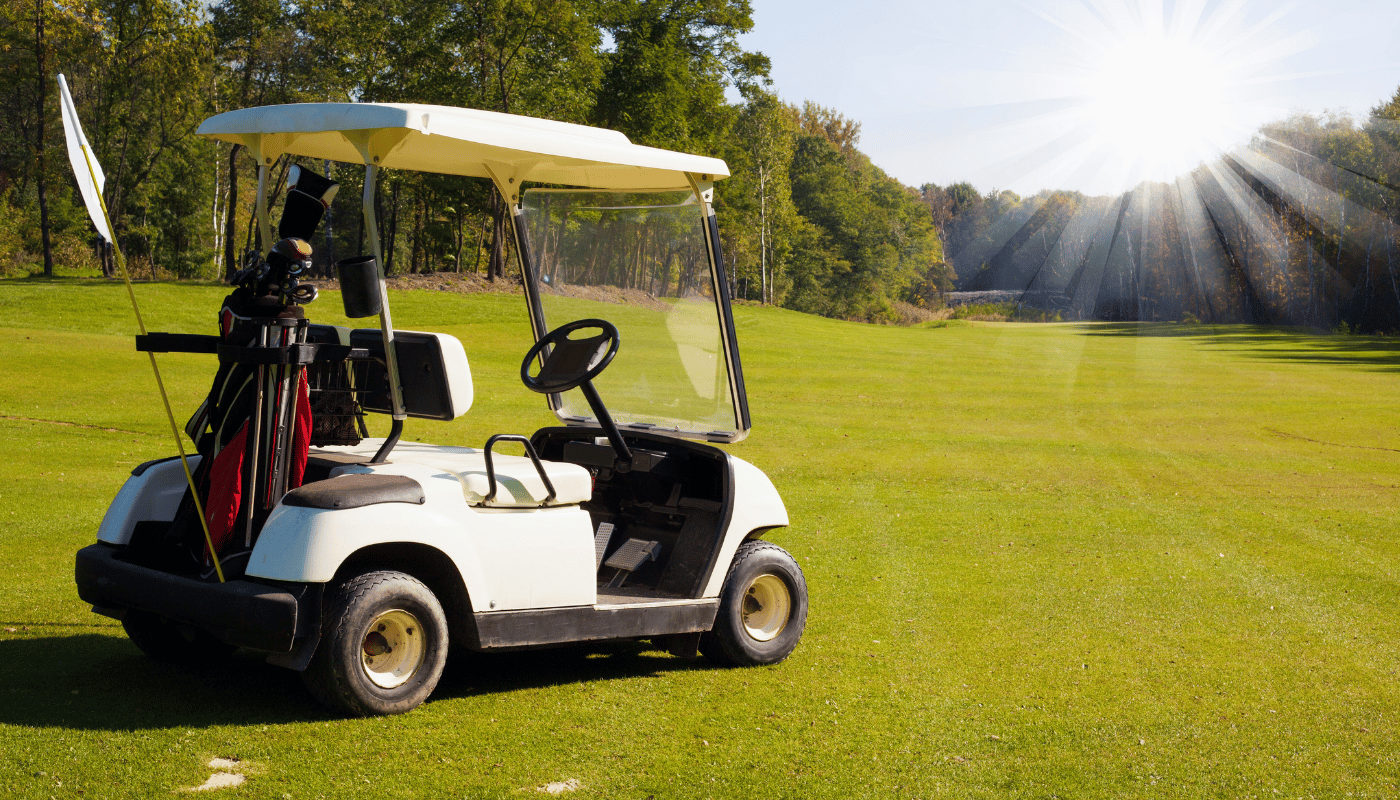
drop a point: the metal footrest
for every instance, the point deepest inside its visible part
(600, 543)
(629, 557)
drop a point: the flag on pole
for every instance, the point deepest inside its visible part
(85, 166)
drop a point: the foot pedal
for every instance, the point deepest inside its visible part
(600, 543)
(630, 556)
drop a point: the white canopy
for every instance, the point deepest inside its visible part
(460, 141)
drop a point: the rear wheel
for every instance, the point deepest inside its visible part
(383, 646)
(171, 643)
(762, 608)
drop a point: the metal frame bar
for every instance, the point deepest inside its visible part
(720, 286)
(386, 322)
(529, 451)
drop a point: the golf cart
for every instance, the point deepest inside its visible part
(358, 561)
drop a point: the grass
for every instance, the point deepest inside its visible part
(1045, 561)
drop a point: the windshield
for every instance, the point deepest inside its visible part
(641, 262)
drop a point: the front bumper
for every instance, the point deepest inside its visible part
(239, 612)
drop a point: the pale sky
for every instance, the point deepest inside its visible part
(1034, 94)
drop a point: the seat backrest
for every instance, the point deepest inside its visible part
(437, 380)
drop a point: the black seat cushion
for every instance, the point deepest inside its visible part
(356, 491)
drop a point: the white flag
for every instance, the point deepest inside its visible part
(90, 181)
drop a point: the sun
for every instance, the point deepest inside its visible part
(1159, 102)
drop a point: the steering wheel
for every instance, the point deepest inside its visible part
(571, 362)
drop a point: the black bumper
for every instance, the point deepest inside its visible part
(238, 612)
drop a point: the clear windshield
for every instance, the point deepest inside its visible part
(640, 262)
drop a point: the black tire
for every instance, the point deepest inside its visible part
(355, 670)
(173, 644)
(756, 623)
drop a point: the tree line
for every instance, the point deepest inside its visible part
(1297, 228)
(807, 221)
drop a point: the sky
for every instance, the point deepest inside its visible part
(1089, 95)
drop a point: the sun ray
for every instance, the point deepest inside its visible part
(1159, 106)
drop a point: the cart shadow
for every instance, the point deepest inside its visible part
(101, 682)
(96, 682)
(469, 674)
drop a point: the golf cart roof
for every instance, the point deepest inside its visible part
(459, 141)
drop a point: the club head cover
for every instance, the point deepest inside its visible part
(308, 197)
(322, 188)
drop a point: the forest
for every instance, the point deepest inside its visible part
(1297, 227)
(808, 221)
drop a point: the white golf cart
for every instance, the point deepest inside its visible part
(358, 564)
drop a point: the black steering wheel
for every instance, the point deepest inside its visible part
(572, 362)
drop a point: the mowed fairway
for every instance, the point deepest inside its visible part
(1044, 561)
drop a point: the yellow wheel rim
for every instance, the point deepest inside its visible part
(393, 648)
(767, 605)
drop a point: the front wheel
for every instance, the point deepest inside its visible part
(383, 646)
(762, 608)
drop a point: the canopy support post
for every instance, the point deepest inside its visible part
(509, 190)
(264, 226)
(704, 192)
(386, 323)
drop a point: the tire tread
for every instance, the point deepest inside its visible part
(326, 678)
(722, 644)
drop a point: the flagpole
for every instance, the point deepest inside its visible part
(164, 398)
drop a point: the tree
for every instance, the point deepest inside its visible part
(872, 240)
(41, 114)
(767, 130)
(144, 89)
(663, 85)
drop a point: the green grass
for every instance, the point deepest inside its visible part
(1044, 560)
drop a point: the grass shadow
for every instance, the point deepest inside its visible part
(1275, 343)
(101, 682)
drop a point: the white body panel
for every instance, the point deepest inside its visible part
(757, 505)
(153, 495)
(508, 558)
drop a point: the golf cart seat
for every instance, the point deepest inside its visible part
(518, 483)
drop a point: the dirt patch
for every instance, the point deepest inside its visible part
(472, 283)
(228, 774)
(458, 283)
(609, 294)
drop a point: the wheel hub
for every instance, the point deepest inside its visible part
(766, 607)
(393, 648)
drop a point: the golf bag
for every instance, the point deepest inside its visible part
(255, 427)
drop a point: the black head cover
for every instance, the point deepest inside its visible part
(308, 197)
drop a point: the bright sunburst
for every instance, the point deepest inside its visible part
(1157, 101)
(1146, 89)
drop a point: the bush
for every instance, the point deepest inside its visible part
(911, 314)
(1005, 312)
(1028, 314)
(985, 312)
